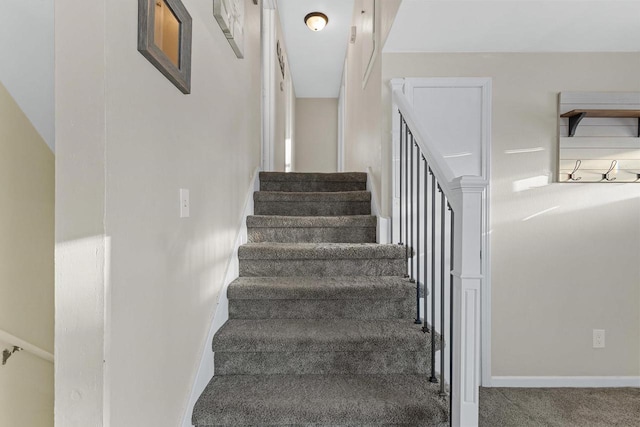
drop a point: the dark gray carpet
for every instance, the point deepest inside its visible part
(320, 400)
(312, 203)
(559, 407)
(291, 229)
(321, 329)
(291, 181)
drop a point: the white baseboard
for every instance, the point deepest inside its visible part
(383, 228)
(221, 315)
(537, 382)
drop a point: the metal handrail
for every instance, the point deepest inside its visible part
(417, 217)
(437, 163)
(450, 223)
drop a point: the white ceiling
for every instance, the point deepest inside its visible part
(516, 26)
(316, 59)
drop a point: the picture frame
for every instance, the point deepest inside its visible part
(230, 17)
(170, 21)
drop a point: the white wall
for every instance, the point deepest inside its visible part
(282, 86)
(363, 108)
(26, 266)
(316, 134)
(135, 284)
(26, 390)
(564, 256)
(26, 70)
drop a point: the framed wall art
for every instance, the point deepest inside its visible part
(230, 17)
(164, 38)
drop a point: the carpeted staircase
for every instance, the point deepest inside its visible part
(320, 328)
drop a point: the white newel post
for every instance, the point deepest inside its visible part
(395, 84)
(467, 279)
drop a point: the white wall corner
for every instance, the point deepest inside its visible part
(268, 43)
(383, 234)
(221, 315)
(395, 84)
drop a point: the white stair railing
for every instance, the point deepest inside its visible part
(420, 218)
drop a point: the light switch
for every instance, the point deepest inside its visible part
(184, 203)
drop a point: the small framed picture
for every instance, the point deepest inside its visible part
(164, 38)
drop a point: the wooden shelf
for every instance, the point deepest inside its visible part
(575, 116)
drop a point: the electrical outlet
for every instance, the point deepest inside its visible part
(598, 338)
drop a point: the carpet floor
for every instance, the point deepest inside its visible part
(561, 407)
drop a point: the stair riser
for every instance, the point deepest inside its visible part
(322, 309)
(317, 415)
(321, 267)
(318, 363)
(312, 186)
(321, 335)
(294, 181)
(334, 288)
(312, 235)
(312, 208)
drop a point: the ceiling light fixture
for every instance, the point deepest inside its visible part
(316, 21)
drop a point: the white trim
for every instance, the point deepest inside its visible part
(485, 83)
(374, 53)
(468, 196)
(439, 167)
(26, 346)
(485, 295)
(206, 367)
(534, 382)
(267, 21)
(342, 102)
(382, 229)
(290, 121)
(395, 84)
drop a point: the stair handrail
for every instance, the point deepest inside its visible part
(437, 162)
(26, 346)
(464, 195)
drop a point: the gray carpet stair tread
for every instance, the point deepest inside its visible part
(343, 424)
(312, 196)
(347, 287)
(312, 234)
(320, 399)
(330, 182)
(255, 221)
(238, 335)
(313, 176)
(322, 308)
(316, 251)
(321, 333)
(323, 362)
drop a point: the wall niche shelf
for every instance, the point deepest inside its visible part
(575, 116)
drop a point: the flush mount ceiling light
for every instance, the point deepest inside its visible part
(316, 21)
